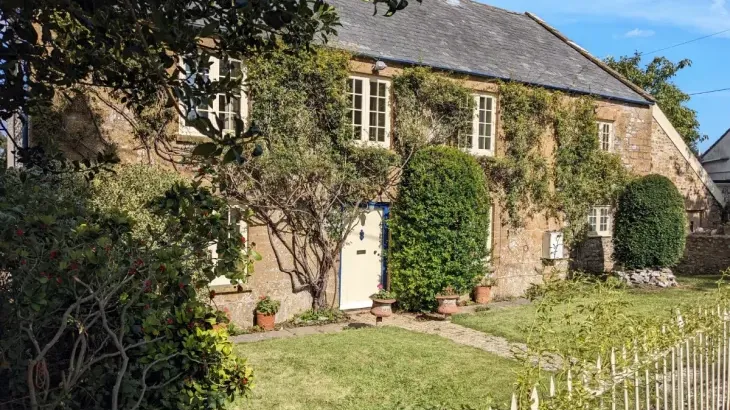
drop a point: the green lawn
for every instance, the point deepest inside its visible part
(374, 368)
(513, 323)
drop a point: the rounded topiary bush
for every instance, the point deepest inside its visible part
(649, 229)
(439, 226)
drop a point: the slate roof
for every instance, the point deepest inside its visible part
(475, 38)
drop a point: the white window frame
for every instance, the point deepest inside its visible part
(213, 248)
(603, 145)
(475, 123)
(366, 110)
(600, 221)
(213, 111)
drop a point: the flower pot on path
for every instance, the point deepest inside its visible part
(448, 304)
(382, 308)
(482, 294)
(265, 322)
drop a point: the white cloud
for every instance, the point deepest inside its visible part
(639, 33)
(702, 16)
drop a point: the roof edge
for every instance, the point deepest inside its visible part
(615, 74)
(714, 144)
(694, 163)
(496, 77)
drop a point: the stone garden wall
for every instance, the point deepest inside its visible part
(705, 254)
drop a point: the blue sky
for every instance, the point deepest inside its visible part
(619, 27)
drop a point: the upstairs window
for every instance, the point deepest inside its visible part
(369, 111)
(605, 135)
(483, 129)
(599, 220)
(226, 109)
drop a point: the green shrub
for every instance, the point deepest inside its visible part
(439, 226)
(649, 229)
(129, 190)
(94, 318)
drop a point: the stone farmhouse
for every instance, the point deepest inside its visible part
(481, 45)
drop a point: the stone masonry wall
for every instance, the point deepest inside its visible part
(705, 254)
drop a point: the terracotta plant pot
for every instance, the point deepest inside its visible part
(382, 307)
(265, 322)
(482, 294)
(448, 304)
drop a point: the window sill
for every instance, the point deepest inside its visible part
(482, 153)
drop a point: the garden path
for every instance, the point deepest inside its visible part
(444, 328)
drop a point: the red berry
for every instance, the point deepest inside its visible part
(19, 232)
(54, 254)
(162, 268)
(181, 285)
(131, 271)
(58, 280)
(169, 321)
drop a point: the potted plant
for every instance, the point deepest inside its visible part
(447, 300)
(266, 311)
(382, 301)
(483, 289)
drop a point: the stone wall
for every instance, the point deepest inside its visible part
(667, 160)
(594, 254)
(705, 254)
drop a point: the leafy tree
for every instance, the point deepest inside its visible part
(311, 180)
(95, 318)
(655, 78)
(439, 226)
(144, 51)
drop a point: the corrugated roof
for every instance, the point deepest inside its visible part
(475, 38)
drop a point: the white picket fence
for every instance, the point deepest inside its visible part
(693, 374)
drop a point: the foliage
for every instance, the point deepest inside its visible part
(522, 176)
(94, 318)
(430, 109)
(598, 321)
(585, 176)
(130, 189)
(656, 79)
(311, 181)
(438, 226)
(580, 176)
(650, 224)
(383, 294)
(448, 291)
(313, 317)
(267, 306)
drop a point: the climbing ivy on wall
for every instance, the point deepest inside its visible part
(585, 176)
(523, 174)
(534, 123)
(430, 109)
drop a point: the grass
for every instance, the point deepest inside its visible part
(374, 368)
(514, 323)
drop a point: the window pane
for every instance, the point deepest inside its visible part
(358, 86)
(373, 88)
(358, 101)
(381, 134)
(482, 129)
(381, 89)
(488, 130)
(349, 85)
(373, 118)
(357, 118)
(488, 143)
(221, 102)
(381, 104)
(482, 116)
(381, 119)
(482, 103)
(481, 143)
(489, 104)
(372, 134)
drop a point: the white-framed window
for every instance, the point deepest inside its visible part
(605, 135)
(227, 109)
(483, 125)
(599, 220)
(234, 217)
(369, 111)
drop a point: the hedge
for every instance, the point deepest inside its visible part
(650, 224)
(438, 227)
